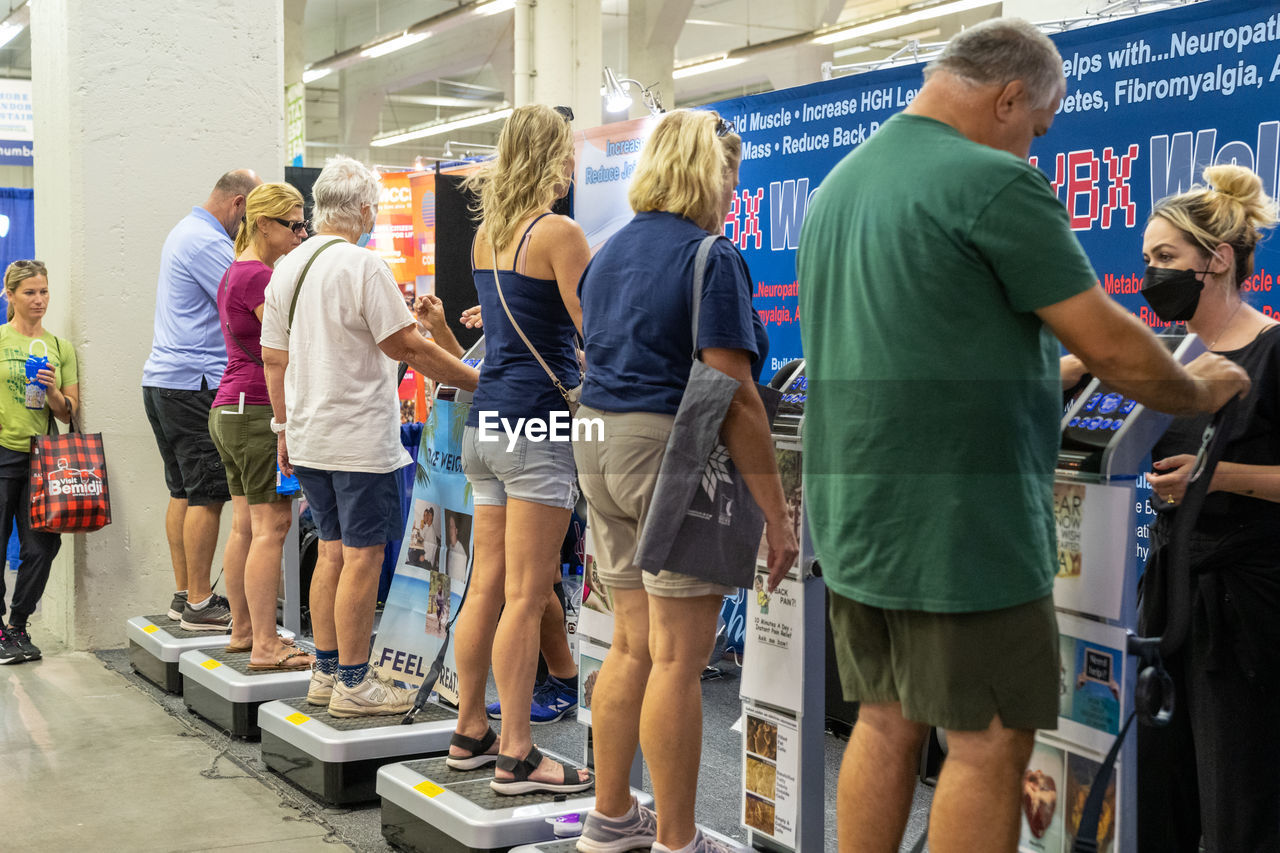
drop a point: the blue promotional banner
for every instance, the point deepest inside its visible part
(1151, 101)
(435, 558)
(17, 229)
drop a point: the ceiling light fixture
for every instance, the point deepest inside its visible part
(706, 66)
(435, 128)
(893, 22)
(493, 7)
(311, 75)
(391, 45)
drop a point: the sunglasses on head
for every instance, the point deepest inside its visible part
(567, 112)
(299, 227)
(724, 128)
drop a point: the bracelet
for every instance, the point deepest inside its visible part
(277, 428)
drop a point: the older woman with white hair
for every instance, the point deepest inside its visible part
(334, 326)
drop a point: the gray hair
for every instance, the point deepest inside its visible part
(1001, 50)
(340, 190)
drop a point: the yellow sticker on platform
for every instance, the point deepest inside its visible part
(298, 718)
(211, 664)
(150, 629)
(427, 788)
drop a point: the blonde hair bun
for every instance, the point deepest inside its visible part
(1245, 187)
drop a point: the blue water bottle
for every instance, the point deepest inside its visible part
(35, 363)
(286, 485)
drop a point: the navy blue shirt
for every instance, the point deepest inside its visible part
(637, 296)
(512, 383)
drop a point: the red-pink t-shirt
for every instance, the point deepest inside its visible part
(240, 292)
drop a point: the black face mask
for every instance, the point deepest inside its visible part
(1172, 294)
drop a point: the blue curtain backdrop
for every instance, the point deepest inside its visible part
(17, 241)
(17, 229)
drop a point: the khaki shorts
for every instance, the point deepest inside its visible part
(248, 450)
(617, 476)
(952, 670)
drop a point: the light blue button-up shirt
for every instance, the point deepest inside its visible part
(188, 347)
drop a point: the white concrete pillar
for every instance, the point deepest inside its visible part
(142, 105)
(565, 54)
(653, 28)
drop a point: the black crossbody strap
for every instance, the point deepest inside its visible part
(297, 289)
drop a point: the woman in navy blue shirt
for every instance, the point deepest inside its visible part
(636, 306)
(527, 262)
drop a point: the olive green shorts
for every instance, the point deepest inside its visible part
(952, 670)
(248, 450)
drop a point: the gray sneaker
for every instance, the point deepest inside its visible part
(214, 616)
(703, 844)
(635, 831)
(176, 606)
(320, 690)
(374, 696)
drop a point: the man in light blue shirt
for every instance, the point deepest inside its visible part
(179, 381)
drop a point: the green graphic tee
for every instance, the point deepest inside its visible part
(18, 423)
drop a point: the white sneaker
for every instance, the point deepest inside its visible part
(320, 689)
(371, 697)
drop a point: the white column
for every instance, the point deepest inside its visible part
(142, 105)
(565, 53)
(653, 28)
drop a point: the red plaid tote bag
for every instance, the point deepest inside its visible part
(69, 482)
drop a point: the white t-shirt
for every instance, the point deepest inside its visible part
(339, 389)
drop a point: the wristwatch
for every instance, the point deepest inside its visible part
(277, 428)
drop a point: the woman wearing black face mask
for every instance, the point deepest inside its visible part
(1213, 771)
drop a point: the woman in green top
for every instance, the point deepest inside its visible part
(26, 283)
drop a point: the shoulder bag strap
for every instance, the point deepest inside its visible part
(699, 273)
(227, 325)
(555, 380)
(297, 288)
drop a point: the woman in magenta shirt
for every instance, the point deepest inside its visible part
(240, 425)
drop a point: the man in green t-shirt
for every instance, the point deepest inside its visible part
(936, 267)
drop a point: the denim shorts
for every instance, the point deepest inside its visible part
(539, 472)
(356, 507)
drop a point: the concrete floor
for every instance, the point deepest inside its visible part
(88, 761)
(94, 758)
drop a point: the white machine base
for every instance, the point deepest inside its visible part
(428, 807)
(337, 759)
(219, 686)
(156, 643)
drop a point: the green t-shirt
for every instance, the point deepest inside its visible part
(18, 423)
(931, 426)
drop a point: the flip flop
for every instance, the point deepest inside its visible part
(522, 784)
(283, 664)
(479, 749)
(284, 641)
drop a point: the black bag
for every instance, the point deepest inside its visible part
(703, 520)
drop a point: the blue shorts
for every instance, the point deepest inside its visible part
(359, 508)
(540, 472)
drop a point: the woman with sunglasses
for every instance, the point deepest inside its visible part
(636, 310)
(23, 416)
(240, 425)
(527, 262)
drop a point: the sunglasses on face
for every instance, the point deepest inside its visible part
(299, 227)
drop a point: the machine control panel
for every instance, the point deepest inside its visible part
(1106, 434)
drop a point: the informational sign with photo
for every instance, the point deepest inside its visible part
(1091, 700)
(435, 559)
(775, 644)
(1090, 520)
(770, 773)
